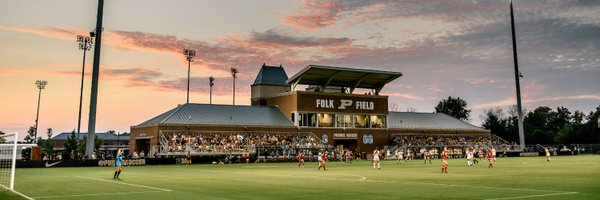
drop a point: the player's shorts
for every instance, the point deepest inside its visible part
(444, 162)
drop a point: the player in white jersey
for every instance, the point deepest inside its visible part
(494, 153)
(547, 154)
(469, 157)
(376, 159)
(399, 155)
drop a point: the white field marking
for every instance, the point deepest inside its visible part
(94, 194)
(554, 192)
(20, 194)
(131, 184)
(540, 195)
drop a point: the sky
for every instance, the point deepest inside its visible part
(444, 48)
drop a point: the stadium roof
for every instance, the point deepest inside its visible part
(428, 121)
(103, 136)
(343, 77)
(211, 114)
(271, 75)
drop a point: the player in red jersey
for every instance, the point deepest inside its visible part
(490, 157)
(444, 162)
(301, 158)
(323, 161)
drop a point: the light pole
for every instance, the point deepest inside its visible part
(85, 44)
(233, 73)
(517, 81)
(40, 85)
(189, 56)
(210, 83)
(91, 134)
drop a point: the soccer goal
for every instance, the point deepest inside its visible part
(9, 148)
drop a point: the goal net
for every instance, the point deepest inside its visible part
(8, 156)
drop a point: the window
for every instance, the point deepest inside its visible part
(361, 121)
(344, 121)
(325, 119)
(378, 121)
(307, 119)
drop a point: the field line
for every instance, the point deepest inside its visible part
(539, 195)
(16, 192)
(130, 184)
(94, 194)
(363, 178)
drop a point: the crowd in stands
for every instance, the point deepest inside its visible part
(437, 141)
(238, 142)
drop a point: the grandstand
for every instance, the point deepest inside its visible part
(327, 113)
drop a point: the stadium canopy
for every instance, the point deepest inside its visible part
(325, 76)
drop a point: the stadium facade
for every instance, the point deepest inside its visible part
(327, 107)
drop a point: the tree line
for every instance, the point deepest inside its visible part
(543, 125)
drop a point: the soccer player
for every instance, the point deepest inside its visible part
(348, 156)
(301, 158)
(322, 160)
(118, 164)
(469, 157)
(188, 157)
(399, 155)
(444, 162)
(426, 156)
(547, 154)
(376, 159)
(494, 152)
(473, 152)
(490, 158)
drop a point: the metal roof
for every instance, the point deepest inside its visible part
(343, 77)
(103, 136)
(212, 114)
(428, 121)
(271, 75)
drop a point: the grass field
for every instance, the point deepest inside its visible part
(566, 177)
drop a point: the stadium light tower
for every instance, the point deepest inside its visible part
(517, 81)
(85, 44)
(234, 74)
(91, 134)
(189, 56)
(40, 85)
(210, 83)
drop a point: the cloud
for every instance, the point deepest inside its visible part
(404, 95)
(272, 38)
(512, 101)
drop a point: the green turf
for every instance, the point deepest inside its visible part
(566, 177)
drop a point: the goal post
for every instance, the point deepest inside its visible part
(8, 159)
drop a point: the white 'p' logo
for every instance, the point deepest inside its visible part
(344, 103)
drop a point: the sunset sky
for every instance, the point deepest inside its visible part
(444, 48)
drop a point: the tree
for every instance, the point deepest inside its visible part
(30, 135)
(2, 140)
(495, 121)
(70, 146)
(49, 143)
(455, 107)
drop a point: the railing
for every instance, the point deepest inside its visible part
(163, 143)
(562, 149)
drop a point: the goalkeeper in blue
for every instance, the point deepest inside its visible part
(118, 163)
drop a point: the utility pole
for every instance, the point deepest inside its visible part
(89, 147)
(517, 81)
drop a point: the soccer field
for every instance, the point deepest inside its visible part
(566, 177)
